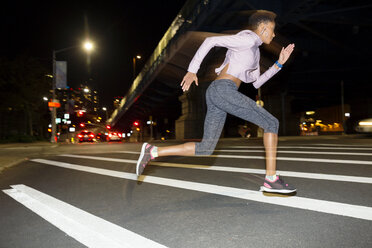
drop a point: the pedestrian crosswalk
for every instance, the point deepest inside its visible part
(295, 202)
(89, 229)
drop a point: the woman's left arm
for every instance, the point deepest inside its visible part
(285, 53)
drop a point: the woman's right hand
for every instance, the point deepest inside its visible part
(188, 79)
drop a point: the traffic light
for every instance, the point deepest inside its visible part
(136, 123)
(80, 113)
(108, 126)
(82, 125)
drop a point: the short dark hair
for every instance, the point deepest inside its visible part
(260, 16)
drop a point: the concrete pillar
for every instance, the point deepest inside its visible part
(191, 123)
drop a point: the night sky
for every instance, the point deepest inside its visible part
(119, 29)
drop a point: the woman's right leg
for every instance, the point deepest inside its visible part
(213, 125)
(186, 149)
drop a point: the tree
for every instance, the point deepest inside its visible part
(22, 85)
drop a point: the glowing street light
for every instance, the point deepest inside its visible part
(105, 109)
(88, 46)
(134, 65)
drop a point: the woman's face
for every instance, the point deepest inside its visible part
(266, 32)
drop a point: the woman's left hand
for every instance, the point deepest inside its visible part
(285, 53)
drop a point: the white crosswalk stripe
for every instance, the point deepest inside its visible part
(308, 147)
(335, 208)
(86, 228)
(318, 160)
(301, 152)
(234, 169)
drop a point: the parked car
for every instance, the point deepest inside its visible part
(364, 126)
(86, 136)
(114, 136)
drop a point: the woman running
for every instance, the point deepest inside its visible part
(241, 64)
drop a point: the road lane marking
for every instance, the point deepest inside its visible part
(336, 208)
(354, 179)
(86, 228)
(317, 160)
(299, 152)
(291, 152)
(343, 145)
(307, 147)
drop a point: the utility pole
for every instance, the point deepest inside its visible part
(342, 107)
(53, 138)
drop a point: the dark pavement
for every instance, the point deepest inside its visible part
(87, 195)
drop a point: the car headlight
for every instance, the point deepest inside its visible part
(365, 123)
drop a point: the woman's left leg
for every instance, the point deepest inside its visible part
(241, 106)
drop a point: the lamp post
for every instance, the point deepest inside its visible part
(105, 109)
(134, 65)
(88, 46)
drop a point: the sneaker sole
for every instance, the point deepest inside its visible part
(285, 191)
(140, 158)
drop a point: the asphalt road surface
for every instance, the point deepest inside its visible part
(87, 195)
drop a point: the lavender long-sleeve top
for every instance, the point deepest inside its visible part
(242, 56)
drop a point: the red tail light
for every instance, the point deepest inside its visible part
(119, 135)
(80, 136)
(110, 135)
(91, 135)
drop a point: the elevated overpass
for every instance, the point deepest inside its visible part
(315, 26)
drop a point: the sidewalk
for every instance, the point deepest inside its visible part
(15, 153)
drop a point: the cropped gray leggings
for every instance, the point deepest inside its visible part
(223, 97)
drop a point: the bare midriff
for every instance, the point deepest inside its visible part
(223, 75)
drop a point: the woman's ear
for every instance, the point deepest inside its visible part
(261, 28)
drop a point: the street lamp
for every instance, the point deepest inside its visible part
(105, 109)
(88, 46)
(134, 65)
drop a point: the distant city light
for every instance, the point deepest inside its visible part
(45, 98)
(86, 90)
(347, 114)
(104, 108)
(310, 112)
(138, 56)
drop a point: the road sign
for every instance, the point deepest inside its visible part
(54, 104)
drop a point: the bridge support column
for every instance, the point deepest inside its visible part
(191, 123)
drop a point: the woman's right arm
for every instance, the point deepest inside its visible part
(233, 42)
